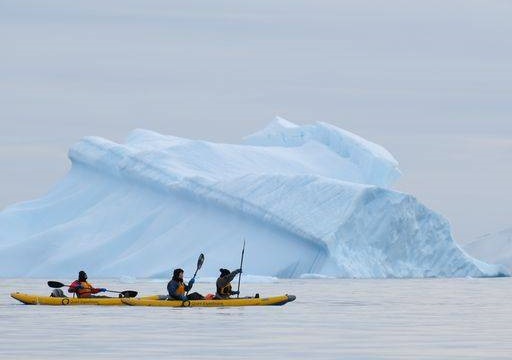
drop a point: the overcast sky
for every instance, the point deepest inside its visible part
(431, 81)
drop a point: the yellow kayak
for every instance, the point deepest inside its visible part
(264, 301)
(48, 300)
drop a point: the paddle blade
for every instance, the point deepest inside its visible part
(200, 261)
(55, 284)
(128, 294)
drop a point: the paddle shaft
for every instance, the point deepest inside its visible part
(113, 291)
(240, 275)
(130, 292)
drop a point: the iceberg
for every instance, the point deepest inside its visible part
(311, 199)
(495, 247)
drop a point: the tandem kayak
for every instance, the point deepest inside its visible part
(264, 301)
(48, 300)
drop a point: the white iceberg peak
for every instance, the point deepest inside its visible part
(377, 165)
(282, 122)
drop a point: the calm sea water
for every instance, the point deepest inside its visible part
(331, 319)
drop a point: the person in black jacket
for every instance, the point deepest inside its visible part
(178, 290)
(224, 289)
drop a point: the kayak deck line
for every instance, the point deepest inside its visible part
(154, 300)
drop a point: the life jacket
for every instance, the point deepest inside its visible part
(181, 289)
(225, 290)
(86, 291)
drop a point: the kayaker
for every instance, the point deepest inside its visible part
(224, 290)
(82, 288)
(178, 290)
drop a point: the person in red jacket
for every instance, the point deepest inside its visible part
(82, 288)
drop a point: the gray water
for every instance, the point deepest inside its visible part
(331, 319)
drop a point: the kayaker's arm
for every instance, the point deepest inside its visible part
(74, 287)
(172, 287)
(97, 290)
(188, 287)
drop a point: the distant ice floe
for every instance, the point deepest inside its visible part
(495, 247)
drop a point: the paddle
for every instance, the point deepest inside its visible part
(240, 275)
(125, 294)
(200, 262)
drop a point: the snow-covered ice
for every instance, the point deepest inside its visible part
(312, 199)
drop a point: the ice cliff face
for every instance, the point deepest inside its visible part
(308, 199)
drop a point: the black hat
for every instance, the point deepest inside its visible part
(224, 272)
(176, 273)
(82, 276)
